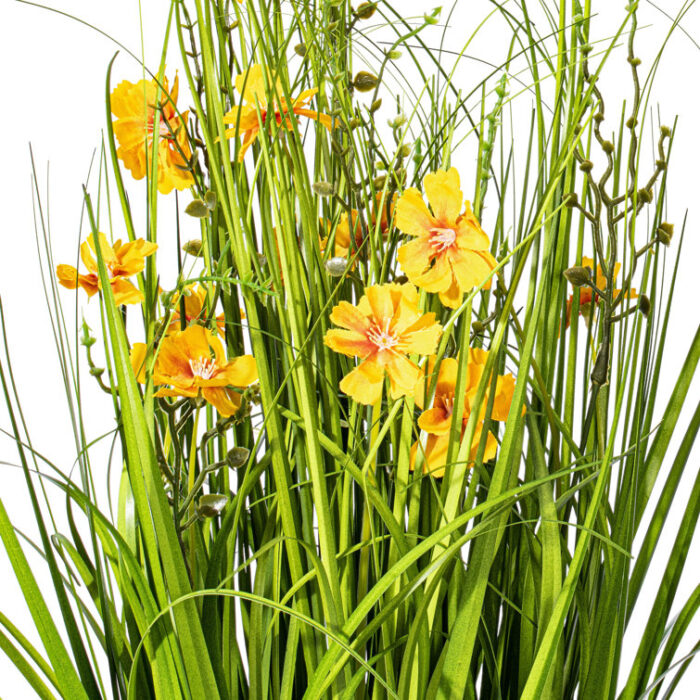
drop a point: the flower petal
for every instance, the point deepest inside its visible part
(412, 215)
(364, 383)
(444, 195)
(348, 316)
(350, 343)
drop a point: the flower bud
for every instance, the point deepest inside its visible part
(375, 106)
(211, 504)
(631, 123)
(397, 122)
(607, 147)
(644, 195)
(365, 10)
(665, 132)
(404, 151)
(634, 61)
(365, 81)
(394, 54)
(478, 327)
(578, 276)
(644, 305)
(197, 208)
(194, 248)
(210, 200)
(300, 50)
(570, 200)
(323, 189)
(665, 233)
(661, 164)
(237, 457)
(586, 166)
(86, 339)
(336, 267)
(97, 371)
(379, 182)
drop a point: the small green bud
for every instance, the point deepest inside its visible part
(365, 10)
(365, 81)
(570, 200)
(97, 371)
(665, 233)
(333, 26)
(86, 339)
(598, 117)
(586, 49)
(631, 123)
(237, 457)
(478, 327)
(394, 54)
(607, 147)
(578, 276)
(375, 105)
(398, 121)
(644, 195)
(194, 248)
(644, 305)
(634, 61)
(323, 189)
(211, 504)
(586, 166)
(336, 267)
(210, 200)
(661, 164)
(197, 208)
(300, 50)
(354, 123)
(404, 151)
(665, 132)
(430, 19)
(379, 182)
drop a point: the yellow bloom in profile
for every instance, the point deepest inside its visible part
(380, 215)
(134, 105)
(588, 299)
(384, 327)
(121, 260)
(436, 421)
(451, 254)
(195, 300)
(244, 117)
(193, 363)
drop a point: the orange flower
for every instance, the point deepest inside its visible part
(244, 118)
(343, 230)
(588, 299)
(195, 299)
(436, 421)
(384, 327)
(121, 261)
(451, 252)
(193, 363)
(134, 105)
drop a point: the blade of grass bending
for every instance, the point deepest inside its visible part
(25, 668)
(152, 507)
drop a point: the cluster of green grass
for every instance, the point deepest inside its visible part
(330, 568)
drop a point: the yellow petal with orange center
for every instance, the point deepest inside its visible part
(125, 292)
(350, 343)
(444, 195)
(415, 256)
(348, 316)
(436, 421)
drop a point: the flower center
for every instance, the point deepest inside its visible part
(382, 337)
(448, 402)
(204, 367)
(442, 238)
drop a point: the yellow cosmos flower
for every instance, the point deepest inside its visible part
(134, 107)
(244, 118)
(121, 260)
(436, 421)
(588, 299)
(195, 299)
(384, 327)
(451, 252)
(193, 363)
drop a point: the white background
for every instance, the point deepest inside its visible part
(53, 76)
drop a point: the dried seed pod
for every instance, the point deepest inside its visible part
(194, 248)
(365, 81)
(578, 276)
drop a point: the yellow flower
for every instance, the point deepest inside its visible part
(381, 214)
(451, 252)
(436, 421)
(134, 107)
(195, 298)
(244, 118)
(121, 260)
(193, 363)
(588, 299)
(384, 327)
